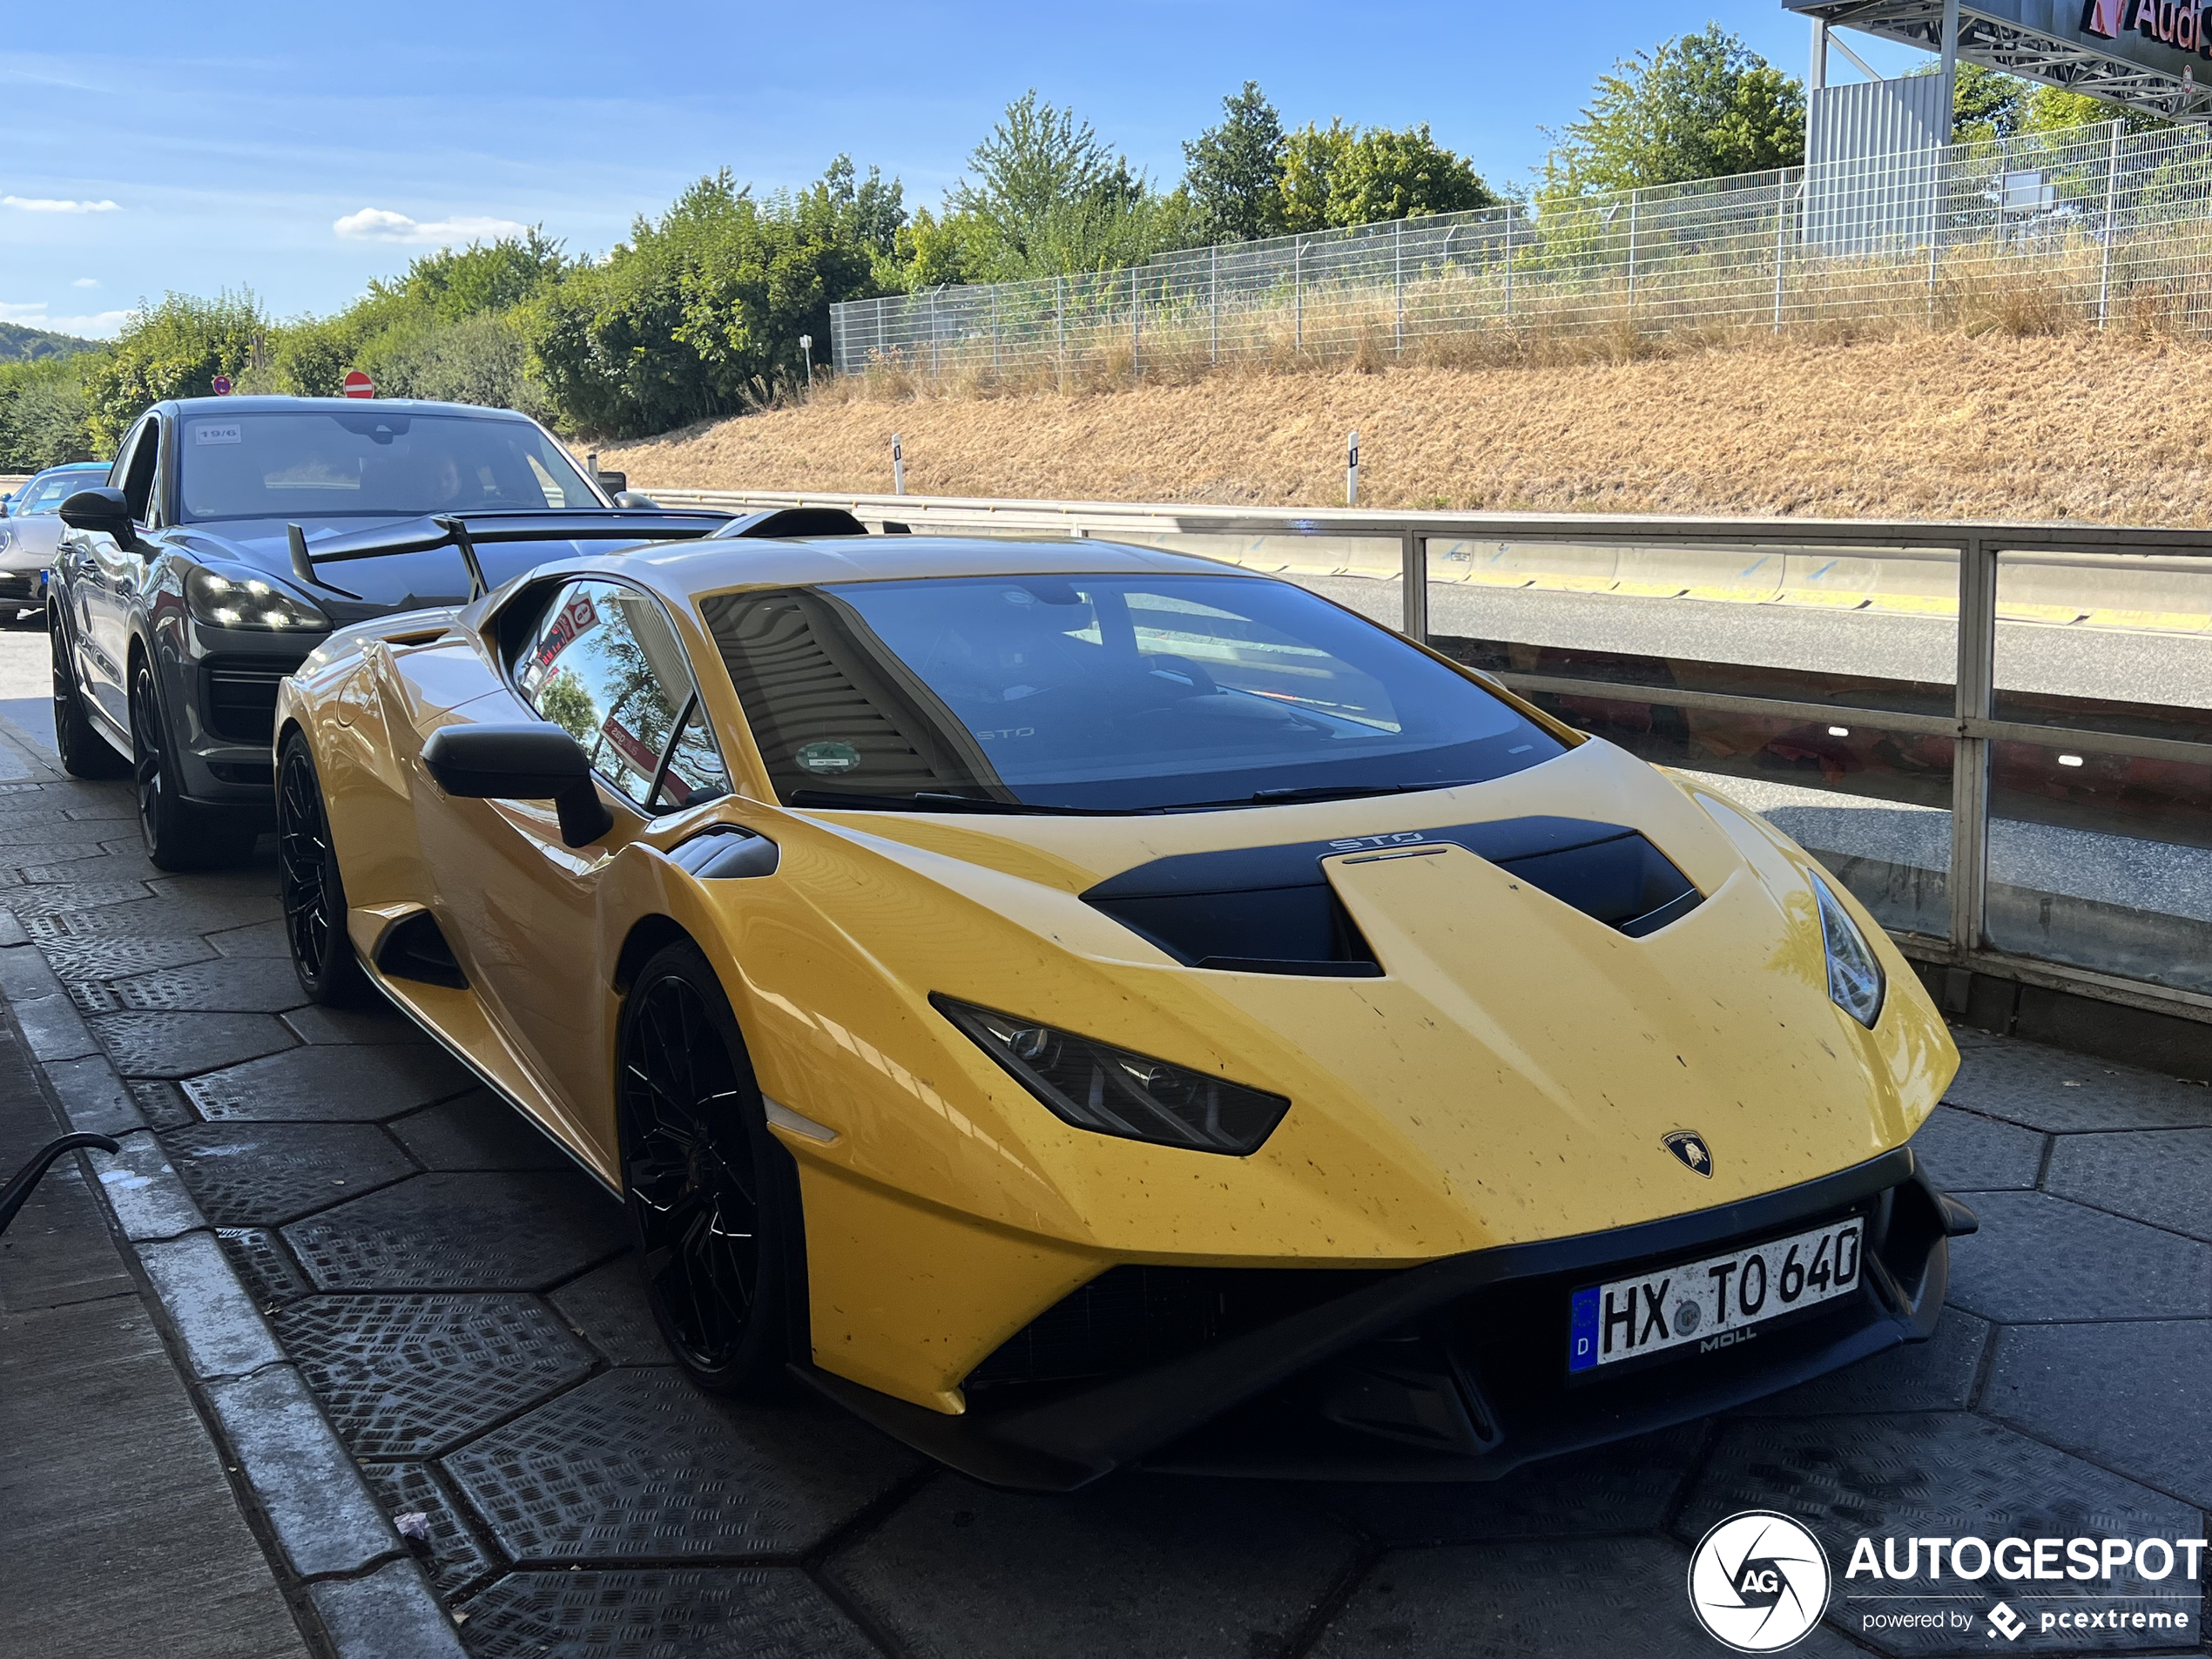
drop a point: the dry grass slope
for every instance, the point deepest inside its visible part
(2073, 425)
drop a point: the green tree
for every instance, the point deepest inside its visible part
(2052, 109)
(1233, 170)
(172, 349)
(700, 313)
(1340, 175)
(1048, 196)
(1699, 106)
(484, 276)
(43, 414)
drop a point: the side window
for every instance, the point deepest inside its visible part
(603, 664)
(138, 478)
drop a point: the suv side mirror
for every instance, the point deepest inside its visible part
(532, 760)
(102, 511)
(613, 483)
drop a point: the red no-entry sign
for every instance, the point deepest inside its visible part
(358, 384)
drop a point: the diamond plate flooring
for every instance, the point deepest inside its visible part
(461, 1301)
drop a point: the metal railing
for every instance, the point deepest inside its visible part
(2036, 230)
(2140, 771)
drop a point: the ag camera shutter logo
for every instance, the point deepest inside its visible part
(1759, 1582)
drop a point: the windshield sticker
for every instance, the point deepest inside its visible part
(828, 759)
(228, 432)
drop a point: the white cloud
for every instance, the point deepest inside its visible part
(85, 282)
(34, 315)
(97, 325)
(377, 225)
(54, 205)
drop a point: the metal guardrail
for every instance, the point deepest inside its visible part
(2077, 224)
(1972, 723)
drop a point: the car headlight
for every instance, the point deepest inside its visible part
(1855, 978)
(245, 600)
(1095, 1086)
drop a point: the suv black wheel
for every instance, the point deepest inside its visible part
(180, 834)
(83, 751)
(308, 879)
(713, 1198)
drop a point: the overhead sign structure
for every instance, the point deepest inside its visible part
(357, 384)
(2145, 54)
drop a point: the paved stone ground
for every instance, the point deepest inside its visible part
(461, 1305)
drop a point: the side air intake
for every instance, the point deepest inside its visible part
(413, 949)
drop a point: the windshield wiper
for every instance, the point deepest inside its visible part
(1331, 792)
(935, 800)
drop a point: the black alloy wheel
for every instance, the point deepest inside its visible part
(84, 753)
(180, 834)
(713, 1199)
(308, 882)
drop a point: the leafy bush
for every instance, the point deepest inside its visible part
(43, 413)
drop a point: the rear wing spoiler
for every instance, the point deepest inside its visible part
(466, 532)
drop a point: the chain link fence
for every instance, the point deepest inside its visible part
(2036, 233)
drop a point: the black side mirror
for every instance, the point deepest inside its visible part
(613, 483)
(532, 761)
(100, 509)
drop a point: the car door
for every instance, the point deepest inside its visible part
(604, 664)
(105, 577)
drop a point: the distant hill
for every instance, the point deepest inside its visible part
(20, 344)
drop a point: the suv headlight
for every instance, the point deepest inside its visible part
(1855, 979)
(1111, 1091)
(244, 600)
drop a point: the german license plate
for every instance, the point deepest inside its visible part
(1705, 1306)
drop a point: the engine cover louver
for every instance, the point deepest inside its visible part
(1270, 909)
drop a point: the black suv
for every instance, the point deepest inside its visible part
(234, 533)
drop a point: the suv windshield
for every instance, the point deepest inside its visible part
(1114, 694)
(46, 493)
(367, 463)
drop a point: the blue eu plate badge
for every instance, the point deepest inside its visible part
(1581, 1341)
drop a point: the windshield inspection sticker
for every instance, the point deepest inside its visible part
(228, 432)
(829, 758)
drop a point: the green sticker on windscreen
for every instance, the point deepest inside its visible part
(826, 760)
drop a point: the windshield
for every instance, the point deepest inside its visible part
(1114, 694)
(46, 493)
(368, 463)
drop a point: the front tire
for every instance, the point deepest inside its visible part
(84, 752)
(713, 1198)
(180, 834)
(308, 882)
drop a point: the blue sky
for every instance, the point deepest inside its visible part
(301, 150)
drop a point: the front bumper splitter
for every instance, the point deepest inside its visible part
(1453, 1370)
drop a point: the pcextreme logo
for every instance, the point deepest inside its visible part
(1759, 1582)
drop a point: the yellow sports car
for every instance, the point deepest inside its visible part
(1080, 1005)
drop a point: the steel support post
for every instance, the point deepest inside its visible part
(1413, 567)
(2112, 192)
(1298, 293)
(1059, 327)
(1213, 304)
(1398, 283)
(1135, 328)
(1781, 221)
(1633, 196)
(995, 328)
(1973, 700)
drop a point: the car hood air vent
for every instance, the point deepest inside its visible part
(1270, 909)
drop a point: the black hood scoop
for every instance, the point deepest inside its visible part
(1270, 909)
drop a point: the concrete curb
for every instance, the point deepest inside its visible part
(325, 1520)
